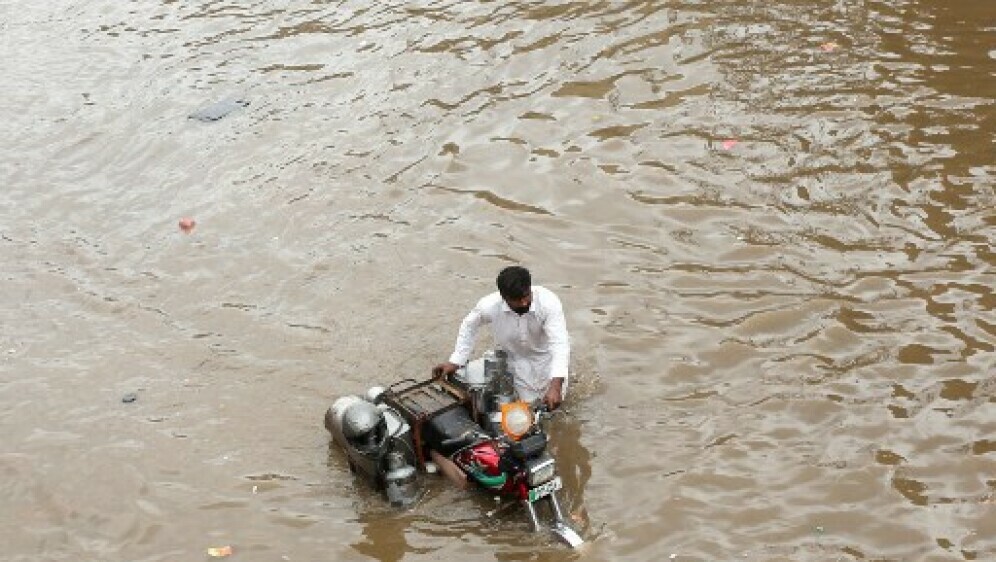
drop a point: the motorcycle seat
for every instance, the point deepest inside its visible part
(445, 431)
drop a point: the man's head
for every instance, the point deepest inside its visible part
(515, 286)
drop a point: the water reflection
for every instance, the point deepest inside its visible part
(574, 466)
(384, 533)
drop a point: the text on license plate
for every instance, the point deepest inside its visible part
(544, 490)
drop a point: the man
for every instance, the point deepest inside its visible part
(528, 323)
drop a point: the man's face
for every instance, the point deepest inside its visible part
(521, 305)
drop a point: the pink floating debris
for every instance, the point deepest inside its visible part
(187, 225)
(829, 46)
(729, 143)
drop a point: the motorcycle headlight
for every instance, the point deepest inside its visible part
(540, 470)
(516, 419)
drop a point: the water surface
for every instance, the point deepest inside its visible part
(771, 225)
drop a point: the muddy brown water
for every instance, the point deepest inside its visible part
(771, 224)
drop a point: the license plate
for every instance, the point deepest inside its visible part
(544, 490)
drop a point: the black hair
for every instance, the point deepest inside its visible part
(514, 282)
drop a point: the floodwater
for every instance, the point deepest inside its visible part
(771, 224)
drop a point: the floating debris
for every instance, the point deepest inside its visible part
(218, 110)
(729, 143)
(129, 398)
(187, 225)
(829, 47)
(219, 551)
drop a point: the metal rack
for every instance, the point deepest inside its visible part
(418, 402)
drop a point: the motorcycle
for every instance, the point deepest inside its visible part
(471, 418)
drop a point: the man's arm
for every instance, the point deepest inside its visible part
(555, 328)
(467, 336)
(466, 339)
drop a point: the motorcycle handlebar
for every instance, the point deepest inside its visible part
(458, 442)
(541, 410)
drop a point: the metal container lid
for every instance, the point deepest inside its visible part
(473, 374)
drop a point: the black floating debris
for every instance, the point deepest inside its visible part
(130, 397)
(217, 110)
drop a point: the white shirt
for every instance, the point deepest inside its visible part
(536, 342)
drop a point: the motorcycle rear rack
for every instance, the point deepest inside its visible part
(418, 402)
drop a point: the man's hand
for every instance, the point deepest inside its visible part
(444, 369)
(554, 396)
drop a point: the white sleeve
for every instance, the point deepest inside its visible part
(560, 345)
(467, 336)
